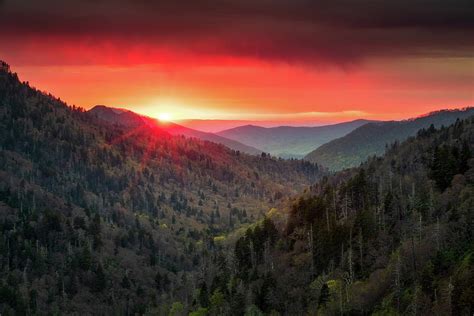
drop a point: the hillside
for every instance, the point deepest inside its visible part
(371, 139)
(130, 119)
(288, 141)
(97, 218)
(392, 237)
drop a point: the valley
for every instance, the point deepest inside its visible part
(109, 212)
(237, 158)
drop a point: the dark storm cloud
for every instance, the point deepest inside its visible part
(341, 31)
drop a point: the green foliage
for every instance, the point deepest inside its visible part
(254, 243)
(200, 312)
(176, 309)
(217, 301)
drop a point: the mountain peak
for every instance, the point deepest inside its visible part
(101, 107)
(116, 115)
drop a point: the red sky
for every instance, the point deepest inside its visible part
(261, 68)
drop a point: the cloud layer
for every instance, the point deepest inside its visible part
(317, 32)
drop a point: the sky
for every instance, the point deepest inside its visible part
(291, 62)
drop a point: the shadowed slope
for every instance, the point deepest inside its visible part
(371, 139)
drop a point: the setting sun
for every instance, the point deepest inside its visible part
(164, 117)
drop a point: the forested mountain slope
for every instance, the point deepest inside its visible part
(392, 237)
(289, 141)
(130, 119)
(372, 139)
(100, 219)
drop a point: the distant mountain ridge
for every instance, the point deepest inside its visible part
(371, 139)
(289, 141)
(131, 119)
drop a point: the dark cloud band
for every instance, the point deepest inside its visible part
(339, 31)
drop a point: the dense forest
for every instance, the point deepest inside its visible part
(393, 237)
(101, 219)
(93, 213)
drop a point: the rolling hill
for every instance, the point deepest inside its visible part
(371, 139)
(289, 141)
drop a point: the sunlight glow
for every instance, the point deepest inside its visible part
(164, 117)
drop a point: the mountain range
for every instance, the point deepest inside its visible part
(289, 141)
(106, 212)
(373, 138)
(335, 147)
